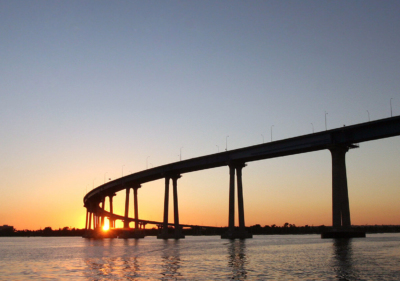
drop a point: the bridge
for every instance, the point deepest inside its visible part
(337, 141)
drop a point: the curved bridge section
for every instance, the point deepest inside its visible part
(338, 141)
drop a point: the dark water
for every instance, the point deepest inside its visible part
(286, 257)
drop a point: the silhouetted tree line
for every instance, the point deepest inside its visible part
(257, 229)
(47, 231)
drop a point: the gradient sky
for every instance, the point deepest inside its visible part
(93, 89)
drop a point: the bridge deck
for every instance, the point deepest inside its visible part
(368, 131)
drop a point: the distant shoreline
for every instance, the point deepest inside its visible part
(255, 230)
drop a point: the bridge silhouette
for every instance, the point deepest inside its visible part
(337, 141)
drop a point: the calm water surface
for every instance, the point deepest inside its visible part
(276, 257)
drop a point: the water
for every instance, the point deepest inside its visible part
(276, 257)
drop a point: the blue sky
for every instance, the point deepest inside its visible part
(93, 89)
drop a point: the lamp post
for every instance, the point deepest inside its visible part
(312, 127)
(391, 113)
(271, 132)
(326, 127)
(226, 141)
(369, 119)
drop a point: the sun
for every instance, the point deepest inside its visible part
(106, 226)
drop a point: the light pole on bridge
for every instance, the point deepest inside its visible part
(271, 132)
(369, 119)
(326, 127)
(391, 113)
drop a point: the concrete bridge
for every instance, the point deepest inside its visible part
(337, 141)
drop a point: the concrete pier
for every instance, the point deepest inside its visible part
(341, 222)
(102, 218)
(112, 221)
(340, 196)
(126, 222)
(177, 231)
(232, 232)
(135, 205)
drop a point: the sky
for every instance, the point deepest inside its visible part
(93, 90)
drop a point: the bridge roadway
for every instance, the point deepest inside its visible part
(338, 141)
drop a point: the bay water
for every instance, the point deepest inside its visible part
(264, 257)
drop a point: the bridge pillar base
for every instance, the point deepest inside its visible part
(98, 234)
(136, 234)
(343, 233)
(170, 236)
(237, 234)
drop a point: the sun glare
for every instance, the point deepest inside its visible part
(106, 227)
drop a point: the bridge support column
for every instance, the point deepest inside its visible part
(87, 217)
(164, 233)
(136, 207)
(97, 220)
(231, 222)
(94, 221)
(232, 233)
(90, 221)
(126, 222)
(340, 197)
(102, 217)
(111, 220)
(240, 198)
(177, 234)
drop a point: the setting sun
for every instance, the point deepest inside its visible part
(106, 226)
